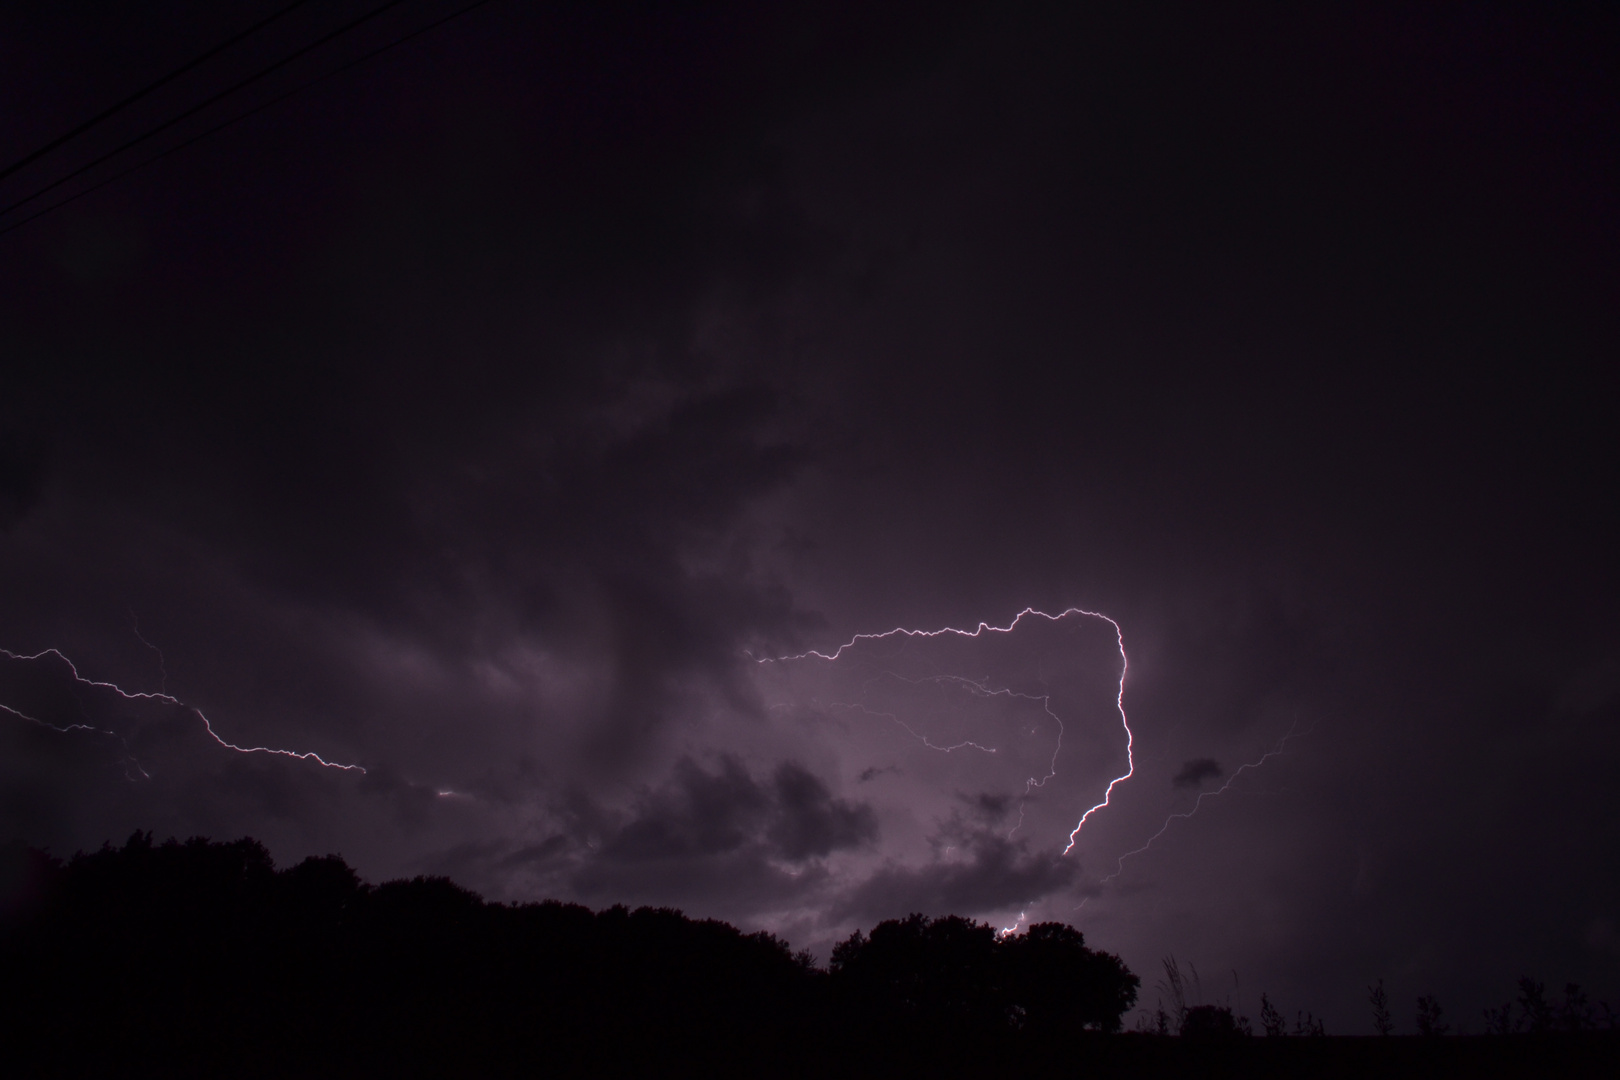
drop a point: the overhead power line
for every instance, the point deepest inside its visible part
(205, 103)
(357, 61)
(145, 90)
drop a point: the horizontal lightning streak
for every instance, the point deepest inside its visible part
(168, 699)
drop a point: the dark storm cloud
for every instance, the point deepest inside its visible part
(489, 860)
(328, 454)
(534, 854)
(810, 821)
(987, 807)
(991, 874)
(701, 813)
(1195, 772)
(793, 816)
(723, 838)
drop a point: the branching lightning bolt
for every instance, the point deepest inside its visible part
(166, 698)
(980, 687)
(1119, 864)
(913, 732)
(163, 667)
(65, 729)
(986, 628)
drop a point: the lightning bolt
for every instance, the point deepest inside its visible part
(162, 696)
(979, 687)
(65, 729)
(913, 732)
(985, 628)
(1009, 931)
(163, 668)
(1119, 864)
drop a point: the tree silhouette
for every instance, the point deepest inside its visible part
(191, 955)
(921, 968)
(952, 970)
(1060, 983)
(203, 958)
(193, 951)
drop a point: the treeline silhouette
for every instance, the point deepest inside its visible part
(203, 959)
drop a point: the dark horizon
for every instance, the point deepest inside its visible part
(203, 957)
(467, 464)
(182, 916)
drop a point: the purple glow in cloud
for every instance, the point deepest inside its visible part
(980, 688)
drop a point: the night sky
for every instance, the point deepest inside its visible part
(492, 414)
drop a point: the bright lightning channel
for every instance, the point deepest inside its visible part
(986, 628)
(1119, 864)
(1009, 931)
(166, 698)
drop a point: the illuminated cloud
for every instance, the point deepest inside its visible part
(488, 446)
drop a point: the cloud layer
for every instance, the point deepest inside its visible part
(484, 416)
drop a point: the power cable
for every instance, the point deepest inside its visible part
(243, 116)
(145, 90)
(195, 109)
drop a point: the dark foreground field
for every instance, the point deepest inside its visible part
(202, 959)
(1330, 1056)
(635, 1049)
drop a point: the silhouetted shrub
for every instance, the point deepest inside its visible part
(1575, 1014)
(1428, 1017)
(1209, 1022)
(1538, 1016)
(1380, 1009)
(1535, 1014)
(1271, 1019)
